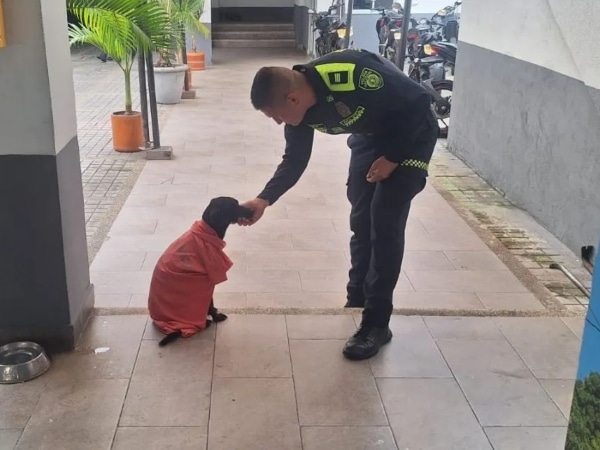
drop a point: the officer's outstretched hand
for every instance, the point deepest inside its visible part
(258, 205)
(380, 170)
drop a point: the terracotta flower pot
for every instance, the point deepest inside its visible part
(127, 131)
(196, 60)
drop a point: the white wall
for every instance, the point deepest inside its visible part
(62, 92)
(544, 32)
(256, 3)
(322, 5)
(206, 16)
(429, 6)
(41, 116)
(526, 108)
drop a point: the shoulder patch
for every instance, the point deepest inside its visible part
(339, 77)
(370, 80)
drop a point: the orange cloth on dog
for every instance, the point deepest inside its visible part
(184, 280)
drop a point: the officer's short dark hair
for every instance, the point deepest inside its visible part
(270, 85)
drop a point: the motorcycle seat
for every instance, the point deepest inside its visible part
(447, 44)
(431, 60)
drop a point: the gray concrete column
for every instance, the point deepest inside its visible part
(45, 290)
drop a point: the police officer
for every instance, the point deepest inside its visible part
(392, 136)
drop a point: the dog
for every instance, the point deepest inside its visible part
(185, 276)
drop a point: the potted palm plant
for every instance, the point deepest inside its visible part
(169, 71)
(121, 28)
(196, 59)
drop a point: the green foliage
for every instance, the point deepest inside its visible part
(184, 15)
(121, 28)
(584, 426)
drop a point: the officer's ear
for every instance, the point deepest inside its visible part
(293, 98)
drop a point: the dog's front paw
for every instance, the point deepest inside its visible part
(219, 317)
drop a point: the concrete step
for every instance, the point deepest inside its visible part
(255, 43)
(218, 27)
(219, 35)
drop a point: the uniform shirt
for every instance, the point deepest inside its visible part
(184, 280)
(358, 92)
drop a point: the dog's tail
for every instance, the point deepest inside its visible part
(169, 338)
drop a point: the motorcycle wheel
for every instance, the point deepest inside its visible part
(442, 115)
(383, 39)
(390, 54)
(320, 47)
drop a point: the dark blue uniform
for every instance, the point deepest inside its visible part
(387, 114)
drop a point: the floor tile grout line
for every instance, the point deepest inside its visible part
(531, 370)
(137, 355)
(459, 385)
(527, 426)
(387, 418)
(287, 336)
(345, 426)
(407, 312)
(212, 384)
(570, 329)
(521, 357)
(385, 412)
(22, 430)
(37, 402)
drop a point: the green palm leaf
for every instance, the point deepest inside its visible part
(148, 23)
(185, 16)
(187, 13)
(121, 28)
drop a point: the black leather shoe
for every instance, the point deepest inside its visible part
(355, 303)
(366, 342)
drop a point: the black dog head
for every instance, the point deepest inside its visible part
(222, 212)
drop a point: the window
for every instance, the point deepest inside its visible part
(362, 4)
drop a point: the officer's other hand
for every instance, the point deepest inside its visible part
(258, 206)
(380, 169)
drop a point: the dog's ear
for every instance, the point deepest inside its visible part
(223, 211)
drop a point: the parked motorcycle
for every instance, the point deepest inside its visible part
(424, 63)
(424, 45)
(445, 50)
(441, 103)
(331, 31)
(446, 20)
(389, 31)
(429, 27)
(429, 71)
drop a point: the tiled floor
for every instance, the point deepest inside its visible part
(280, 382)
(260, 382)
(106, 174)
(297, 255)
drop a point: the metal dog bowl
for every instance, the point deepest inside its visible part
(22, 361)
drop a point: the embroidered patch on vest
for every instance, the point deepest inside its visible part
(370, 80)
(343, 109)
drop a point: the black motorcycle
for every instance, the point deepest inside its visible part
(331, 32)
(446, 22)
(430, 72)
(389, 32)
(447, 51)
(441, 102)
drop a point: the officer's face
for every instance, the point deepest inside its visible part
(290, 112)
